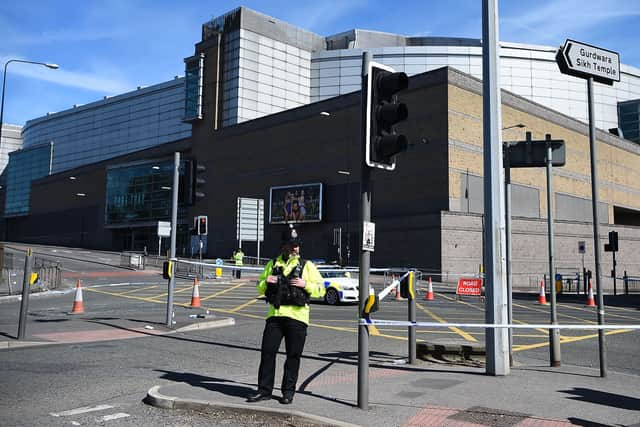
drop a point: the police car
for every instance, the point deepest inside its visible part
(340, 287)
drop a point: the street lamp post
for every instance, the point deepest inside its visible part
(4, 83)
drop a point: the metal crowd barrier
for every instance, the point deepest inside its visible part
(631, 283)
(133, 260)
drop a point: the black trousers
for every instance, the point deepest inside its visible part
(295, 334)
(237, 274)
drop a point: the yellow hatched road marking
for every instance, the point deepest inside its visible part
(138, 290)
(222, 292)
(564, 340)
(150, 299)
(559, 314)
(461, 302)
(246, 304)
(592, 310)
(458, 331)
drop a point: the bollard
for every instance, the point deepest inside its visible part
(24, 305)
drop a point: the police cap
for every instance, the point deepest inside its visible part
(290, 236)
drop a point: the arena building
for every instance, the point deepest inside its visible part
(265, 105)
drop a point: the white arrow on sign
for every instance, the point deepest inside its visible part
(591, 60)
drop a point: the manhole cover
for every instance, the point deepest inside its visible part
(489, 417)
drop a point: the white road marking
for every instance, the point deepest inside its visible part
(113, 416)
(82, 410)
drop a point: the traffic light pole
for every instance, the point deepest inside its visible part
(174, 226)
(554, 334)
(365, 256)
(596, 224)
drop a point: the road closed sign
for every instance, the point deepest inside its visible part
(469, 286)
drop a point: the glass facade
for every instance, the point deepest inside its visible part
(629, 119)
(140, 193)
(193, 82)
(526, 70)
(114, 126)
(25, 166)
(262, 76)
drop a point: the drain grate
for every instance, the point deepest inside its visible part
(489, 417)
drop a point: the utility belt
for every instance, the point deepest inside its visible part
(283, 293)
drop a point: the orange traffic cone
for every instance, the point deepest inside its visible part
(429, 296)
(398, 296)
(591, 302)
(78, 306)
(542, 299)
(195, 297)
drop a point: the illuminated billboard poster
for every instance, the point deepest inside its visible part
(295, 203)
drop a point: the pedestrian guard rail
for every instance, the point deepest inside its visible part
(134, 260)
(48, 274)
(631, 284)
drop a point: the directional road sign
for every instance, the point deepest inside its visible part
(583, 60)
(250, 219)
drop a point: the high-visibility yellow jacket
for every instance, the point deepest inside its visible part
(238, 257)
(314, 287)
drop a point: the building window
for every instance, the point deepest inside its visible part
(25, 166)
(194, 68)
(629, 119)
(140, 193)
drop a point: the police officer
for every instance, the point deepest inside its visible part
(238, 257)
(288, 282)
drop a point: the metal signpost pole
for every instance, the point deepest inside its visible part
(554, 334)
(363, 330)
(412, 318)
(24, 305)
(596, 224)
(603, 67)
(614, 274)
(496, 306)
(174, 227)
(507, 232)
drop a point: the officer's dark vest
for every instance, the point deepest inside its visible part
(283, 293)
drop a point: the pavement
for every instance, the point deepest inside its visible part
(425, 394)
(431, 392)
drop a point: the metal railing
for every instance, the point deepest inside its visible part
(49, 277)
(631, 283)
(135, 260)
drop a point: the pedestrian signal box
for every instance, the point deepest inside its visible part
(167, 270)
(202, 226)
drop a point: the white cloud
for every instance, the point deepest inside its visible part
(551, 21)
(82, 80)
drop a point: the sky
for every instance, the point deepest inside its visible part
(108, 47)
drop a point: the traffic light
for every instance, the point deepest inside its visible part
(202, 225)
(407, 286)
(192, 182)
(613, 241)
(383, 112)
(199, 180)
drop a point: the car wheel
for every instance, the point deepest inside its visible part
(332, 297)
